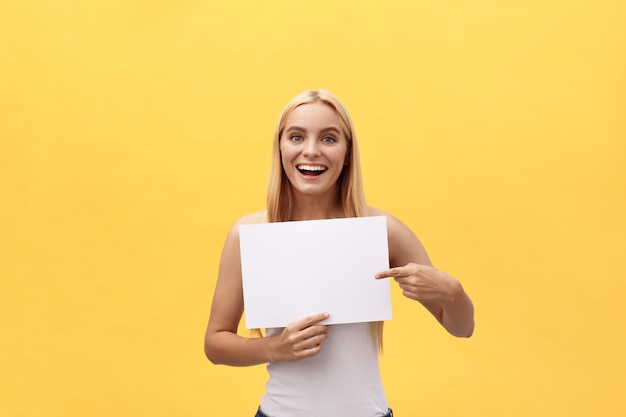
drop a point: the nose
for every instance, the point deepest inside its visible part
(311, 148)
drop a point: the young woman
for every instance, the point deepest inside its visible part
(315, 369)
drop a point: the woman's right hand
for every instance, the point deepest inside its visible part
(300, 339)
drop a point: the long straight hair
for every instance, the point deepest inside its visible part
(349, 193)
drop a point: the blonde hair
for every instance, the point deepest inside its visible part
(349, 192)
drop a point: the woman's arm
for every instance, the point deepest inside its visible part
(222, 344)
(442, 294)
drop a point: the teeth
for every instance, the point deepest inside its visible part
(311, 168)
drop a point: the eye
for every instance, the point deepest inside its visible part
(296, 138)
(328, 139)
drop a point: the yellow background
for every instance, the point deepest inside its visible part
(133, 133)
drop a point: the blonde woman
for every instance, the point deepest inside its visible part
(317, 370)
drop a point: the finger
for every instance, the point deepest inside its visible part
(310, 321)
(313, 331)
(311, 342)
(307, 353)
(384, 274)
(392, 272)
(412, 295)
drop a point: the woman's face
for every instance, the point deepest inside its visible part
(313, 149)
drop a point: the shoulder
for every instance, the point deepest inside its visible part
(251, 218)
(394, 225)
(404, 245)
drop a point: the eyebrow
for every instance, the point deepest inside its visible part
(326, 129)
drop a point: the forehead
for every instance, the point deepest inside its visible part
(313, 115)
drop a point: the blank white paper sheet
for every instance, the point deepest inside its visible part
(291, 270)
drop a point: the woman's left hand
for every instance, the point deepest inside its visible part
(424, 283)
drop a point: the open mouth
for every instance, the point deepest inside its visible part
(311, 170)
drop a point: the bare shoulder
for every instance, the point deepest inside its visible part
(230, 260)
(404, 245)
(251, 218)
(394, 225)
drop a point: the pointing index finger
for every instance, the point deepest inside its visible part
(386, 273)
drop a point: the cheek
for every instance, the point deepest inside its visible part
(346, 157)
(281, 151)
(286, 158)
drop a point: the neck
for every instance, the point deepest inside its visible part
(316, 208)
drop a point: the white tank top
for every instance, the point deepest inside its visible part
(342, 380)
